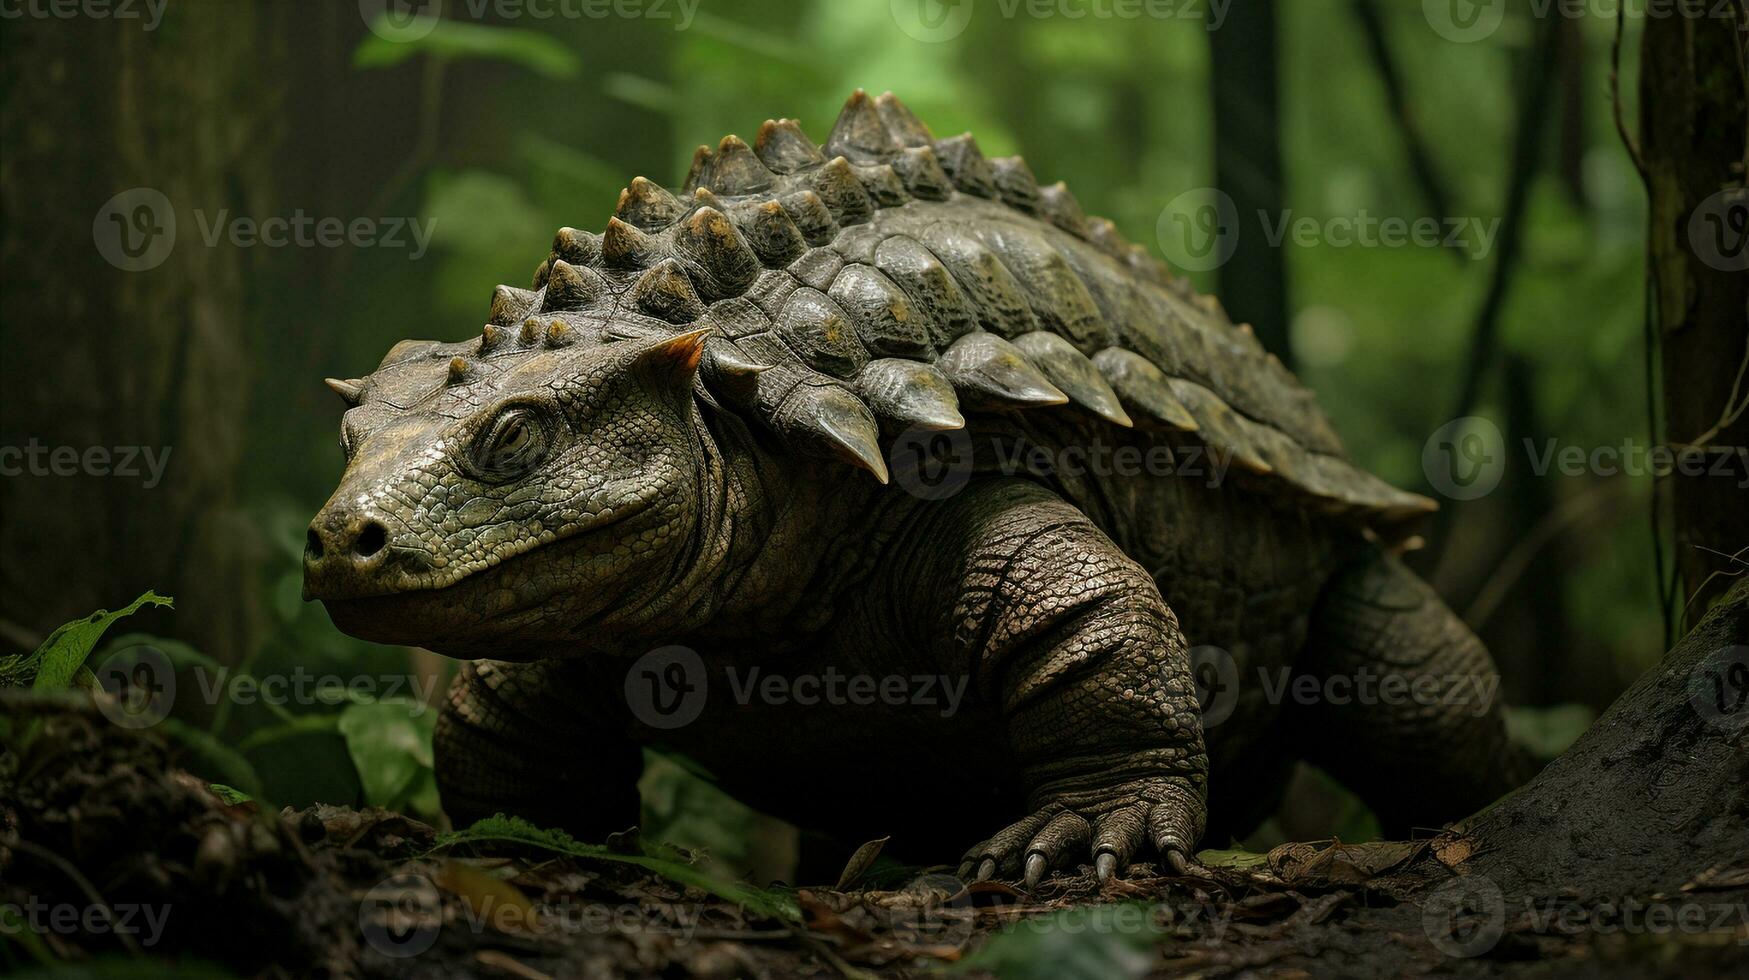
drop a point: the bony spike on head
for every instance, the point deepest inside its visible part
(351, 392)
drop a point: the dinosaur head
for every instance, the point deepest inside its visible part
(513, 489)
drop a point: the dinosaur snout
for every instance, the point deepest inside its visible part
(346, 555)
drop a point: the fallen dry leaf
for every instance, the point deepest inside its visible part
(1452, 849)
(860, 862)
(1333, 863)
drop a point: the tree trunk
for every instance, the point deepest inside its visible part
(1694, 149)
(124, 343)
(1656, 792)
(1243, 75)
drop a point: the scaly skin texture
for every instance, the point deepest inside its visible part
(1096, 473)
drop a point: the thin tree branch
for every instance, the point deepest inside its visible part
(1526, 154)
(1527, 142)
(1621, 123)
(1372, 29)
(1649, 332)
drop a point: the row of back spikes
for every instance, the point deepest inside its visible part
(762, 206)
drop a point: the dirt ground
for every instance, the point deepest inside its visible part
(94, 817)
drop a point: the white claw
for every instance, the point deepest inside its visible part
(1105, 865)
(1176, 860)
(1035, 869)
(986, 871)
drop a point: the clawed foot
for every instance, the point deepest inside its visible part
(1111, 827)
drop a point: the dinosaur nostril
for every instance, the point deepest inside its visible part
(370, 540)
(312, 544)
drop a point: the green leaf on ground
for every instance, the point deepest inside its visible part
(230, 794)
(55, 664)
(659, 858)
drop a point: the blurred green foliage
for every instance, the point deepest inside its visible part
(649, 854)
(442, 38)
(1091, 942)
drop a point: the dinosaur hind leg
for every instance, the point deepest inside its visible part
(1406, 711)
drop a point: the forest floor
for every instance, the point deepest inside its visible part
(93, 818)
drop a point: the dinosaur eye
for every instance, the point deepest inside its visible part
(511, 445)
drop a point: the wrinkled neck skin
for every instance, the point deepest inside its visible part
(765, 548)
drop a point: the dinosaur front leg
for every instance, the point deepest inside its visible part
(1090, 670)
(523, 739)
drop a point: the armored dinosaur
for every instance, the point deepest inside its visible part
(674, 440)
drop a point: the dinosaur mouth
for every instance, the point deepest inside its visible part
(491, 609)
(410, 575)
